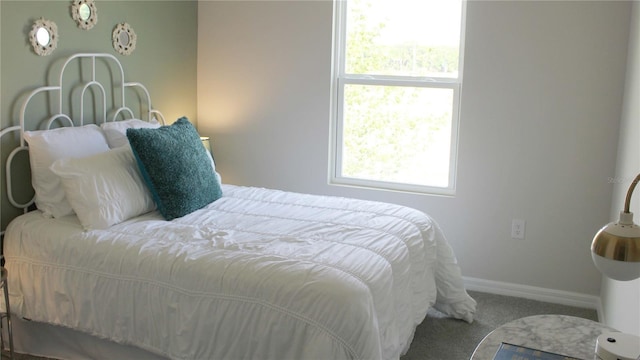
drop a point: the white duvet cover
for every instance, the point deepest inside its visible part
(257, 274)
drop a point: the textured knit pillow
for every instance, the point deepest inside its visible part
(176, 168)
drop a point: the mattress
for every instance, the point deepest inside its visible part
(259, 273)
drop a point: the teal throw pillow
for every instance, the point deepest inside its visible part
(176, 168)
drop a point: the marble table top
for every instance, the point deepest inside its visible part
(566, 335)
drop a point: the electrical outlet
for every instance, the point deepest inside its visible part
(517, 229)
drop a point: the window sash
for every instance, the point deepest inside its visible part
(342, 79)
(337, 177)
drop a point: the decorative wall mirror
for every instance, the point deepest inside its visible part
(124, 39)
(44, 36)
(85, 13)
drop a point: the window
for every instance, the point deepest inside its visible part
(396, 94)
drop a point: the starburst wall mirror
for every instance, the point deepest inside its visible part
(43, 36)
(124, 39)
(84, 13)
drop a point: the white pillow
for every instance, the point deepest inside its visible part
(116, 131)
(47, 146)
(104, 189)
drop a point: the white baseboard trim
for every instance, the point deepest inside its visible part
(536, 293)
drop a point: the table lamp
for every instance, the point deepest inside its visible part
(206, 143)
(615, 251)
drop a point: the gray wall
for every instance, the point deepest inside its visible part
(621, 299)
(541, 103)
(164, 59)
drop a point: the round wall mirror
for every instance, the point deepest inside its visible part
(124, 39)
(43, 36)
(85, 13)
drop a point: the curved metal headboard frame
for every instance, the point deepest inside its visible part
(122, 110)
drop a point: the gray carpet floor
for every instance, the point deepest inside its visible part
(443, 338)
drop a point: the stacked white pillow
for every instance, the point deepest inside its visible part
(47, 146)
(74, 170)
(104, 189)
(116, 131)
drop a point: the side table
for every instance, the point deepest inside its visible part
(561, 334)
(7, 314)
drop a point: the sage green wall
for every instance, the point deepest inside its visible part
(164, 59)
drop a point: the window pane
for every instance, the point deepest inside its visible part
(403, 37)
(397, 134)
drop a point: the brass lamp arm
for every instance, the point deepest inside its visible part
(627, 201)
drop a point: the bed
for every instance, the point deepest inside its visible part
(253, 273)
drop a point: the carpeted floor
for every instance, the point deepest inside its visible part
(442, 338)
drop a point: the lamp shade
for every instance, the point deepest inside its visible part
(615, 249)
(206, 143)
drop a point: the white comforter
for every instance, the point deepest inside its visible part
(257, 274)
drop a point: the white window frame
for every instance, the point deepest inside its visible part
(340, 79)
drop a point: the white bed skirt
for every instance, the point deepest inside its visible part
(34, 338)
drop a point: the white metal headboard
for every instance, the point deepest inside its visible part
(121, 109)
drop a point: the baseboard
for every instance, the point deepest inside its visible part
(536, 293)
